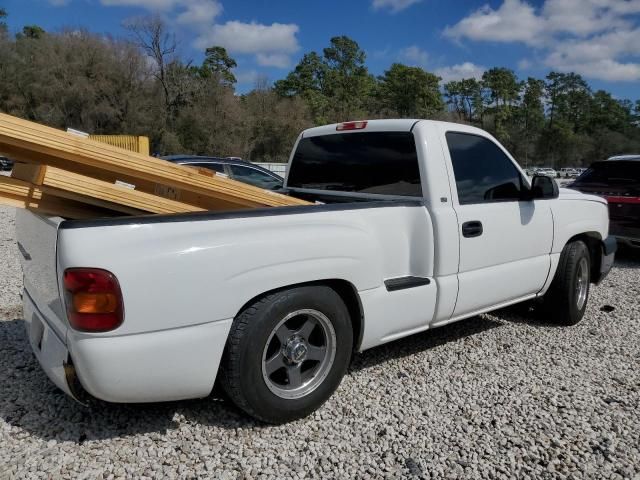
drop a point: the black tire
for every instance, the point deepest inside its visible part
(560, 303)
(242, 370)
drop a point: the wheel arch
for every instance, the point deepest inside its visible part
(345, 289)
(593, 240)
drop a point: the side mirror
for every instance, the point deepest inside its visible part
(543, 187)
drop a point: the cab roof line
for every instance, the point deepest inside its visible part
(414, 124)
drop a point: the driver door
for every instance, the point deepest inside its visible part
(505, 242)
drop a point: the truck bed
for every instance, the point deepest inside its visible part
(185, 277)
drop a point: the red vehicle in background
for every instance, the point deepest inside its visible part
(618, 180)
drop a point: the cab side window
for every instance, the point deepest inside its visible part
(483, 172)
(255, 177)
(216, 167)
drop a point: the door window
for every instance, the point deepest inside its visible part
(216, 167)
(255, 177)
(482, 171)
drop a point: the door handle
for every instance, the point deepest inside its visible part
(472, 229)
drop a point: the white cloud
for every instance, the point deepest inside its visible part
(605, 69)
(279, 60)
(239, 37)
(393, 5)
(199, 12)
(518, 21)
(585, 17)
(194, 13)
(272, 44)
(600, 56)
(460, 71)
(148, 4)
(414, 55)
(596, 38)
(515, 20)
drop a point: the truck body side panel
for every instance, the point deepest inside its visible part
(186, 273)
(184, 282)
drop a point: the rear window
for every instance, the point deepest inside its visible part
(612, 173)
(383, 163)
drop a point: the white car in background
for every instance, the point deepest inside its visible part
(568, 173)
(548, 172)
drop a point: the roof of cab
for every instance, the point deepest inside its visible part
(624, 157)
(386, 125)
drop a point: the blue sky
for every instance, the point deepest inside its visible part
(599, 39)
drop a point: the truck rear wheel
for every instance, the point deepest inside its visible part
(287, 353)
(566, 300)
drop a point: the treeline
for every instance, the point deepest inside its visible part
(139, 85)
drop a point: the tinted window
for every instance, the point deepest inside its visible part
(612, 173)
(378, 162)
(216, 167)
(255, 177)
(483, 172)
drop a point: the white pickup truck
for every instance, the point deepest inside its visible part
(416, 224)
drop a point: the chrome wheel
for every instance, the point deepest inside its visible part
(299, 354)
(582, 283)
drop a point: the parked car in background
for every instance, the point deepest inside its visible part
(234, 168)
(5, 164)
(548, 172)
(618, 180)
(568, 173)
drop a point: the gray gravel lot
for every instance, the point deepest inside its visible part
(497, 396)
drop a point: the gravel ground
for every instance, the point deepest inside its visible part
(497, 396)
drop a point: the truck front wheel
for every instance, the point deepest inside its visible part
(566, 300)
(287, 353)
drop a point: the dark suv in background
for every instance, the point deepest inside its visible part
(235, 168)
(5, 163)
(618, 180)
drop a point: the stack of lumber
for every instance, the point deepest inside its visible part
(128, 142)
(62, 174)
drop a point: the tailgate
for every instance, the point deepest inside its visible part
(37, 237)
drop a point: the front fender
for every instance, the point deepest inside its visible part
(573, 217)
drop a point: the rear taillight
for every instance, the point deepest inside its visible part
(622, 199)
(93, 299)
(359, 125)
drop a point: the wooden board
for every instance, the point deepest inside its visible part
(67, 151)
(206, 202)
(16, 193)
(96, 192)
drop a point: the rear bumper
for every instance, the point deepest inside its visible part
(609, 247)
(629, 241)
(158, 366)
(148, 367)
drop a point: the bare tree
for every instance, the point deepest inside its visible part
(152, 36)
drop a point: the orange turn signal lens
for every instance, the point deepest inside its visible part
(95, 302)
